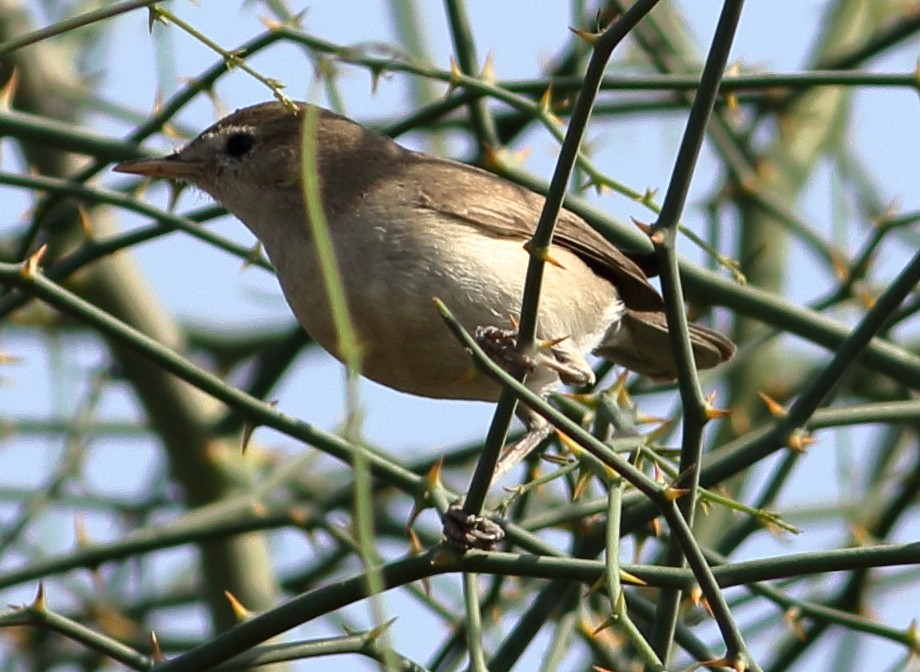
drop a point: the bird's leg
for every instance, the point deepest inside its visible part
(555, 355)
(467, 530)
(537, 429)
(566, 364)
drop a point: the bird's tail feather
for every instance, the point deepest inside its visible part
(641, 344)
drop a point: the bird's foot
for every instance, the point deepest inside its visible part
(466, 530)
(501, 347)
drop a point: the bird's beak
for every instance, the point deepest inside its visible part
(170, 167)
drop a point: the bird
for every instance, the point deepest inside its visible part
(407, 227)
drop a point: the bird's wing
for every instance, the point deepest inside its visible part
(504, 209)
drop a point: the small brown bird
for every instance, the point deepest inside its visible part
(407, 227)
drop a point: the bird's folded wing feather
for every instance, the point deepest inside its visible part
(500, 208)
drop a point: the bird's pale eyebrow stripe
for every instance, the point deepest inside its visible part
(230, 128)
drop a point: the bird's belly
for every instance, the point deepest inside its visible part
(392, 278)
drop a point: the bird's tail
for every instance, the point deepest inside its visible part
(641, 344)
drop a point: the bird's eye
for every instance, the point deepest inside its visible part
(239, 144)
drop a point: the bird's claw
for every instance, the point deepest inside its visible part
(466, 530)
(501, 347)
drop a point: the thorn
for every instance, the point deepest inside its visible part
(861, 535)
(492, 157)
(657, 237)
(298, 17)
(156, 652)
(559, 460)
(546, 100)
(642, 226)
(415, 544)
(153, 16)
(568, 442)
(864, 295)
(645, 419)
(840, 266)
(249, 429)
(175, 189)
(658, 432)
(619, 603)
(543, 255)
(704, 603)
(234, 59)
(30, 267)
(85, 224)
(799, 440)
(587, 399)
(550, 343)
(550, 259)
(620, 390)
(601, 188)
(488, 69)
(793, 619)
(433, 477)
(597, 586)
(376, 74)
(715, 662)
(731, 102)
(546, 106)
(606, 623)
(8, 92)
(698, 600)
(80, 531)
(581, 484)
(731, 99)
(631, 579)
(376, 632)
(672, 494)
(272, 25)
(170, 131)
(423, 499)
(517, 157)
(713, 413)
(241, 612)
(590, 38)
(39, 603)
(253, 257)
(776, 409)
(456, 75)
(913, 637)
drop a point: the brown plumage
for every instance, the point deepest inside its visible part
(407, 227)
